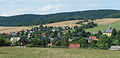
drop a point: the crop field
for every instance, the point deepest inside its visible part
(106, 21)
(12, 29)
(64, 23)
(71, 23)
(13, 52)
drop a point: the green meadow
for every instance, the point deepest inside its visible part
(104, 27)
(13, 52)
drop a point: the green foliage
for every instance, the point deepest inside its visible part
(114, 32)
(104, 42)
(89, 25)
(83, 42)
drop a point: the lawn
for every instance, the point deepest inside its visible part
(104, 27)
(12, 52)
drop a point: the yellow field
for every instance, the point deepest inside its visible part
(72, 22)
(106, 21)
(64, 23)
(12, 29)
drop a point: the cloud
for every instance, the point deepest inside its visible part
(15, 12)
(51, 7)
(43, 10)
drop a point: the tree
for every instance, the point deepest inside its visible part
(103, 42)
(83, 42)
(114, 32)
(99, 34)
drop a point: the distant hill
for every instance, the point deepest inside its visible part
(31, 19)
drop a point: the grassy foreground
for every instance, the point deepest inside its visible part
(12, 52)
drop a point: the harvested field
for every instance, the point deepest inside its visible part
(64, 23)
(12, 29)
(107, 21)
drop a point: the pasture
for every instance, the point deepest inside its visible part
(104, 27)
(13, 52)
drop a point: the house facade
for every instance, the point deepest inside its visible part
(108, 32)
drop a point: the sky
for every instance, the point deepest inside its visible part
(17, 7)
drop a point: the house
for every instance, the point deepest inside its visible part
(66, 27)
(12, 33)
(43, 34)
(108, 32)
(74, 45)
(64, 32)
(22, 40)
(95, 32)
(54, 29)
(92, 38)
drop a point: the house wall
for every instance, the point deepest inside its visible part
(108, 34)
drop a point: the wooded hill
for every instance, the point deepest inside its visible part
(32, 19)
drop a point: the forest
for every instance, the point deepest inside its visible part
(34, 19)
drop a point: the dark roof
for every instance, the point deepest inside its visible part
(109, 30)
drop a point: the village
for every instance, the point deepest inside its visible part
(63, 37)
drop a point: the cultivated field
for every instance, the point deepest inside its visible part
(64, 23)
(12, 29)
(71, 23)
(106, 21)
(101, 22)
(12, 52)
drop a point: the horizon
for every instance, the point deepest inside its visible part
(18, 7)
(58, 12)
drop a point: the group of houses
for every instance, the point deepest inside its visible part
(25, 40)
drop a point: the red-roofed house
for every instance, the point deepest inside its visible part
(92, 38)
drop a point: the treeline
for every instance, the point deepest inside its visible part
(31, 19)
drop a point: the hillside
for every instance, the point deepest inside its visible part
(31, 19)
(103, 24)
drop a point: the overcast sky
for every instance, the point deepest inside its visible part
(16, 7)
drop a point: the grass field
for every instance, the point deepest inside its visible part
(12, 52)
(12, 29)
(104, 27)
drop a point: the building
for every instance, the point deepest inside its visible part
(92, 38)
(95, 32)
(108, 32)
(22, 40)
(54, 29)
(74, 45)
